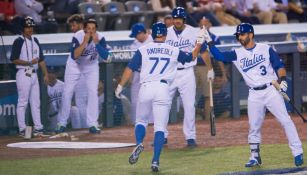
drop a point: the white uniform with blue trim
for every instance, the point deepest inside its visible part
(27, 86)
(158, 63)
(55, 100)
(258, 66)
(135, 84)
(87, 66)
(185, 77)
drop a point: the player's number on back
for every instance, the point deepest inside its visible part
(156, 62)
(263, 70)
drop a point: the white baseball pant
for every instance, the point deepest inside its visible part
(186, 86)
(28, 89)
(269, 98)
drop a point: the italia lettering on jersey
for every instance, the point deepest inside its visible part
(247, 64)
(257, 65)
(185, 41)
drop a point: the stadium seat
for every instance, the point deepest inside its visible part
(118, 18)
(88, 8)
(141, 13)
(92, 10)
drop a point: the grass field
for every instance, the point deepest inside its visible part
(173, 162)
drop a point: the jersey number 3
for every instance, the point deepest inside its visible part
(263, 70)
(156, 62)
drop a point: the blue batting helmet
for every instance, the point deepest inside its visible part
(179, 12)
(244, 28)
(158, 29)
(28, 22)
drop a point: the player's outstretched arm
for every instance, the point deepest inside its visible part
(124, 79)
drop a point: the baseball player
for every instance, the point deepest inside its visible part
(184, 36)
(55, 91)
(27, 55)
(158, 63)
(87, 46)
(138, 32)
(259, 65)
(76, 23)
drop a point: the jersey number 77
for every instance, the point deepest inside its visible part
(156, 62)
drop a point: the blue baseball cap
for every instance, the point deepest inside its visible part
(136, 29)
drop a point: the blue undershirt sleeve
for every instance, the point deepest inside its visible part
(102, 49)
(74, 44)
(136, 61)
(226, 57)
(41, 55)
(275, 60)
(16, 49)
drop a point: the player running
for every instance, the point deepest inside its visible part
(158, 64)
(259, 65)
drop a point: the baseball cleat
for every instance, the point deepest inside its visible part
(299, 160)
(60, 129)
(136, 153)
(38, 132)
(94, 130)
(22, 133)
(253, 162)
(155, 166)
(191, 143)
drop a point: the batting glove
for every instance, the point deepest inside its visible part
(210, 75)
(201, 36)
(283, 86)
(118, 91)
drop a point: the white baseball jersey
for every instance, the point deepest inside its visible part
(185, 41)
(26, 49)
(55, 97)
(89, 56)
(157, 61)
(255, 65)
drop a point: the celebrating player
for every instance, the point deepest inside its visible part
(259, 65)
(27, 55)
(183, 36)
(83, 60)
(76, 23)
(158, 63)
